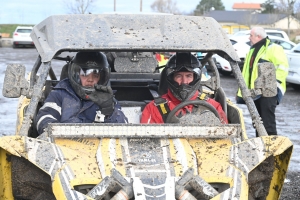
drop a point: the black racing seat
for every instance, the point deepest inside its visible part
(64, 72)
(221, 98)
(163, 84)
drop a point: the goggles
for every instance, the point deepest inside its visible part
(87, 72)
(178, 67)
(195, 70)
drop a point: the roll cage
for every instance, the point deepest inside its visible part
(129, 33)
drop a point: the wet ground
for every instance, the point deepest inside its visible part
(287, 113)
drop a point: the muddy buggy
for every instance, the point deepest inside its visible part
(135, 161)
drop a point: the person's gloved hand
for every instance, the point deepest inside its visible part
(103, 97)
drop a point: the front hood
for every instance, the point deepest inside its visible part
(154, 165)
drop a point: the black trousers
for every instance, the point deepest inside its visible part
(266, 108)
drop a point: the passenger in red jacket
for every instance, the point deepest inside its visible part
(183, 72)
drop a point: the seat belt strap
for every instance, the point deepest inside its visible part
(203, 96)
(163, 107)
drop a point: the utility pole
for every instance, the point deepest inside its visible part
(141, 5)
(290, 13)
(115, 5)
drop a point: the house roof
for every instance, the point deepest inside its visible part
(244, 17)
(250, 6)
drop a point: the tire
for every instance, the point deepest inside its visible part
(295, 86)
(225, 73)
(28, 181)
(241, 65)
(259, 179)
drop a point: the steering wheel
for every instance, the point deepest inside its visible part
(200, 107)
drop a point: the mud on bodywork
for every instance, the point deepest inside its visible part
(148, 166)
(137, 161)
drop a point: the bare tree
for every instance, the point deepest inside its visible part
(79, 6)
(287, 7)
(297, 10)
(165, 6)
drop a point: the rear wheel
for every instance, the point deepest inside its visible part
(295, 86)
(259, 179)
(225, 73)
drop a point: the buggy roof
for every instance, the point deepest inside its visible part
(130, 32)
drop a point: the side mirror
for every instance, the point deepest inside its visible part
(15, 84)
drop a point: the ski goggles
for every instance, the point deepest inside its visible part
(86, 72)
(196, 70)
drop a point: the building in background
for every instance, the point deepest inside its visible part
(233, 21)
(246, 7)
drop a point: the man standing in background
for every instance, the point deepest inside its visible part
(262, 51)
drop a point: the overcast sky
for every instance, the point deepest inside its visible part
(34, 11)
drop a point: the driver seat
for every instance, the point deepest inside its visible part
(163, 84)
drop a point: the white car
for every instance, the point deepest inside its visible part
(270, 32)
(241, 47)
(287, 45)
(21, 36)
(223, 65)
(293, 57)
(241, 44)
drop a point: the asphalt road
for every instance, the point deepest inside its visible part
(287, 113)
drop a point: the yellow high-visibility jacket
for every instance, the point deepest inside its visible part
(270, 52)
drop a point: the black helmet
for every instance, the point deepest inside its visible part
(185, 62)
(85, 63)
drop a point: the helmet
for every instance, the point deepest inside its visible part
(183, 62)
(85, 63)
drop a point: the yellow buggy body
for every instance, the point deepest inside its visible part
(136, 161)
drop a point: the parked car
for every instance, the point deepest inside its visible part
(222, 65)
(270, 32)
(293, 57)
(287, 45)
(242, 45)
(242, 49)
(21, 36)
